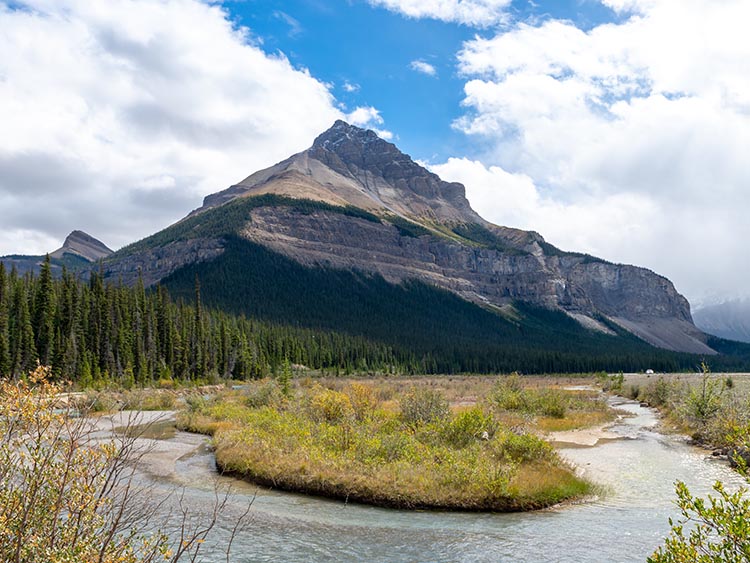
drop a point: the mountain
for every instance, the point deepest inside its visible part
(309, 240)
(78, 252)
(729, 319)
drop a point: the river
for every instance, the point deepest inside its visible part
(636, 466)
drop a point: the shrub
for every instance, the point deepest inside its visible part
(610, 382)
(521, 448)
(510, 395)
(100, 401)
(363, 400)
(331, 406)
(713, 530)
(67, 495)
(659, 392)
(469, 426)
(423, 406)
(551, 402)
(262, 394)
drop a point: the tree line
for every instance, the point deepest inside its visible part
(95, 332)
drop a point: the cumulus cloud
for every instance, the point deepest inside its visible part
(119, 116)
(644, 123)
(423, 67)
(479, 13)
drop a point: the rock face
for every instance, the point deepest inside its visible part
(81, 244)
(452, 247)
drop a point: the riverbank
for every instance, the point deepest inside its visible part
(713, 409)
(456, 444)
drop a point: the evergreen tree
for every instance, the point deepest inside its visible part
(44, 314)
(5, 365)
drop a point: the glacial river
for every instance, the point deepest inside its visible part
(637, 470)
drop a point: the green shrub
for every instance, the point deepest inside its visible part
(469, 426)
(101, 401)
(423, 406)
(610, 382)
(713, 530)
(510, 395)
(521, 448)
(551, 402)
(659, 392)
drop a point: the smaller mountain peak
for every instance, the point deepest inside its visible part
(83, 245)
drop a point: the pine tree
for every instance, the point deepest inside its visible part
(4, 336)
(44, 314)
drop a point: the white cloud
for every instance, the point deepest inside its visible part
(349, 87)
(423, 67)
(479, 13)
(370, 118)
(119, 116)
(644, 123)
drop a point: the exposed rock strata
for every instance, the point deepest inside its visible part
(158, 262)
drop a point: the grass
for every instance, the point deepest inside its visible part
(445, 443)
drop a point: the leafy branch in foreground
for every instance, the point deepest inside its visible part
(68, 492)
(712, 530)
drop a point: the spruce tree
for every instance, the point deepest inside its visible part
(44, 314)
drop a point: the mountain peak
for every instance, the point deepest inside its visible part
(342, 132)
(349, 165)
(83, 245)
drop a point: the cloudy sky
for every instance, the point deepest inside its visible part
(615, 127)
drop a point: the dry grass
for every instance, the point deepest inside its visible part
(350, 439)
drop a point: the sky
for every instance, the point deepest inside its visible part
(620, 128)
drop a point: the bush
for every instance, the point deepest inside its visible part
(66, 495)
(551, 402)
(423, 406)
(363, 400)
(469, 426)
(100, 401)
(610, 382)
(331, 406)
(713, 530)
(510, 395)
(521, 448)
(263, 394)
(659, 393)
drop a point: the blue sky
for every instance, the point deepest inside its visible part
(619, 128)
(371, 48)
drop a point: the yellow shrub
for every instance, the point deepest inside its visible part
(331, 406)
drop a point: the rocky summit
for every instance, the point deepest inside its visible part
(353, 202)
(83, 245)
(77, 253)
